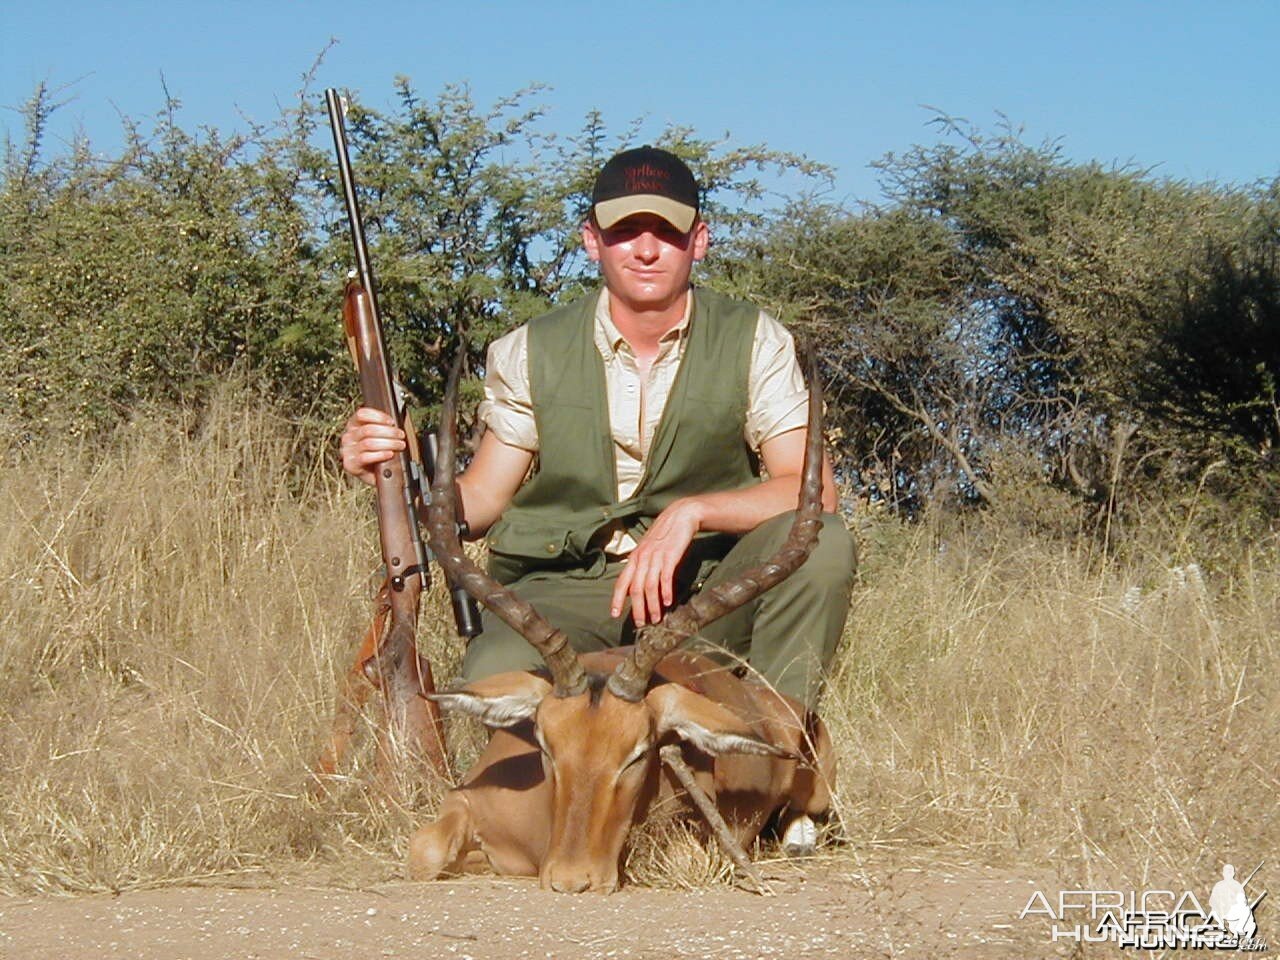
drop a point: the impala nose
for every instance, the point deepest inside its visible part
(564, 878)
(569, 884)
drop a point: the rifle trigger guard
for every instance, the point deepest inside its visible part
(397, 583)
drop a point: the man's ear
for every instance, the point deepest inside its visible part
(502, 700)
(709, 726)
(591, 240)
(701, 240)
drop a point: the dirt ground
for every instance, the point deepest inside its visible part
(904, 908)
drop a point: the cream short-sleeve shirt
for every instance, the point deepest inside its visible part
(777, 400)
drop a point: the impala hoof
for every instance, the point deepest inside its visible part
(800, 838)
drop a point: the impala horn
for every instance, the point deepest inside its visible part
(631, 679)
(567, 674)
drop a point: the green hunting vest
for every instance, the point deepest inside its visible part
(556, 522)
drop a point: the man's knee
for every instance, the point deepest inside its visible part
(833, 560)
(497, 649)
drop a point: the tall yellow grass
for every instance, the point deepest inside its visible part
(175, 605)
(1026, 702)
(177, 602)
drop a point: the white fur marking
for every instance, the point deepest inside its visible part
(500, 711)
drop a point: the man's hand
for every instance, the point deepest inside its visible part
(649, 574)
(371, 437)
(648, 577)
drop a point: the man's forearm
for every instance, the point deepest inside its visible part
(478, 510)
(741, 511)
(490, 481)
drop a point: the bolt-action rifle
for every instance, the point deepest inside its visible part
(388, 658)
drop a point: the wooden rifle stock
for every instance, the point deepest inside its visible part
(388, 658)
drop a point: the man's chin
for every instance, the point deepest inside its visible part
(648, 297)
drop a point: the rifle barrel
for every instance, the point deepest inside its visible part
(338, 127)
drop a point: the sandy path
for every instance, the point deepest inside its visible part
(819, 911)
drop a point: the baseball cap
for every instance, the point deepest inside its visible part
(646, 180)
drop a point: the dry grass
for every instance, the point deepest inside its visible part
(174, 613)
(176, 608)
(670, 852)
(1000, 695)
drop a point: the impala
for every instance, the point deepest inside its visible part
(574, 758)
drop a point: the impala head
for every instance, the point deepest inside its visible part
(600, 752)
(599, 734)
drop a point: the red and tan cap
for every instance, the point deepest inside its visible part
(646, 180)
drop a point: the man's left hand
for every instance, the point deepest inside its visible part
(649, 574)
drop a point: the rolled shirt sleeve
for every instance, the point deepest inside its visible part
(777, 400)
(507, 407)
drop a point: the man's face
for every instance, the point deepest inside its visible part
(645, 261)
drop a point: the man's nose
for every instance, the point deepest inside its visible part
(646, 247)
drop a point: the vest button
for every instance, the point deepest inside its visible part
(606, 512)
(551, 548)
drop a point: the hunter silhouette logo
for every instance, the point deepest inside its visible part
(1229, 905)
(1155, 919)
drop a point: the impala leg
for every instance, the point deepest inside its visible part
(440, 847)
(671, 756)
(411, 720)
(426, 722)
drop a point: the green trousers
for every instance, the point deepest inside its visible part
(788, 635)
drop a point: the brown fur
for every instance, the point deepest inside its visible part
(565, 814)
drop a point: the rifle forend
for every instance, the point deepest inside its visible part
(403, 551)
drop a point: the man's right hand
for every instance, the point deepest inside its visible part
(371, 437)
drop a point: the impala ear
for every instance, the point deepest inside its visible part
(502, 700)
(709, 726)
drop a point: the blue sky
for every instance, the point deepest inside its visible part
(1188, 88)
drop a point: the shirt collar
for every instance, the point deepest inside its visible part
(609, 340)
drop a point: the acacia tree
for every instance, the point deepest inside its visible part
(877, 292)
(147, 276)
(144, 276)
(1117, 328)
